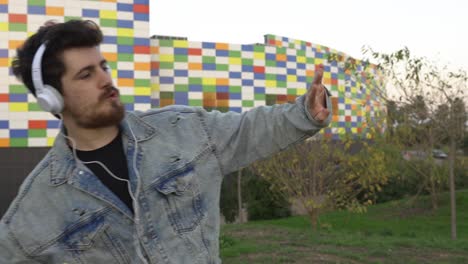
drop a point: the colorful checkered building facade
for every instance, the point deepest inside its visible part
(126, 46)
(155, 72)
(233, 77)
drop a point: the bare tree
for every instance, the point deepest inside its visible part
(433, 99)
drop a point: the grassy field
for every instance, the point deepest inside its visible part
(395, 232)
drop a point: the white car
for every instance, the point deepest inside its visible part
(439, 154)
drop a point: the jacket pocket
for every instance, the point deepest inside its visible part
(182, 200)
(92, 242)
(83, 236)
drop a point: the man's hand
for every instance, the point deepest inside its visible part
(317, 97)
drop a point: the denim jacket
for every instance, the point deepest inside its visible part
(64, 214)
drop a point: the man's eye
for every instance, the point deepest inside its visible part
(85, 76)
(106, 68)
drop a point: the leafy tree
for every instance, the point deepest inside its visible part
(322, 174)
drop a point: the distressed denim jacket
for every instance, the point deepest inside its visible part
(64, 214)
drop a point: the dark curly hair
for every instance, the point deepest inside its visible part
(59, 37)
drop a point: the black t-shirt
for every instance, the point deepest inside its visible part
(112, 155)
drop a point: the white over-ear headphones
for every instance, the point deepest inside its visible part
(48, 97)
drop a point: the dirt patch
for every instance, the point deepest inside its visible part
(431, 256)
(310, 257)
(404, 213)
(319, 255)
(289, 246)
(256, 233)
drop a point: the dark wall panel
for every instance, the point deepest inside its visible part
(15, 165)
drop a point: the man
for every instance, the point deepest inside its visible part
(75, 207)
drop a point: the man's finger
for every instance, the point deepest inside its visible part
(318, 75)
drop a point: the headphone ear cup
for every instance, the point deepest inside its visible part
(50, 99)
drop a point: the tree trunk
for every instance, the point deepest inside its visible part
(453, 212)
(313, 216)
(432, 178)
(434, 194)
(239, 196)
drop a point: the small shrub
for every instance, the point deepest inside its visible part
(386, 232)
(409, 234)
(262, 202)
(228, 201)
(226, 241)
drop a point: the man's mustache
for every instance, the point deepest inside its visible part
(109, 92)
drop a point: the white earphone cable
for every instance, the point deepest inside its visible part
(135, 201)
(134, 197)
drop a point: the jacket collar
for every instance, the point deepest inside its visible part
(63, 163)
(134, 127)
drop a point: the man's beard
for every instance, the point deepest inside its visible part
(104, 120)
(97, 119)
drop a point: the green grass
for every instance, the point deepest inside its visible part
(394, 232)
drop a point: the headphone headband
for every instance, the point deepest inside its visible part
(37, 69)
(47, 96)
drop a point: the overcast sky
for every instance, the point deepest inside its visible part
(431, 28)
